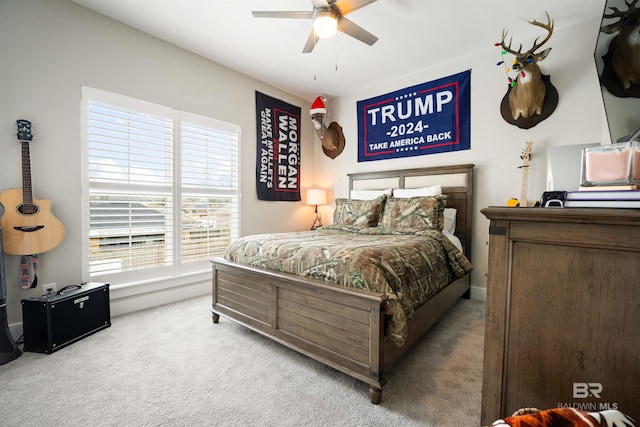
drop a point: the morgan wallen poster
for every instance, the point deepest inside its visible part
(278, 150)
(432, 117)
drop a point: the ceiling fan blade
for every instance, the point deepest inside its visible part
(348, 6)
(354, 30)
(320, 3)
(282, 14)
(311, 42)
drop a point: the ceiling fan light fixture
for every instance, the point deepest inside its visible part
(325, 24)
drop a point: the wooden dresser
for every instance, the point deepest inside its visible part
(563, 310)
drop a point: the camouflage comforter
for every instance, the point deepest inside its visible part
(408, 268)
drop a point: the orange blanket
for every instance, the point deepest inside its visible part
(565, 417)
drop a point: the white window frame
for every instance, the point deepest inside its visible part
(177, 271)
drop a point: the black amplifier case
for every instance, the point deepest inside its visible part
(54, 321)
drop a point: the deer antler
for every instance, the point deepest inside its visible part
(548, 26)
(621, 14)
(617, 13)
(508, 48)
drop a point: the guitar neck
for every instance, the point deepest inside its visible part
(27, 192)
(524, 188)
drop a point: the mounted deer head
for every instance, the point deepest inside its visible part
(527, 93)
(331, 137)
(625, 57)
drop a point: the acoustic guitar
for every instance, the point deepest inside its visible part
(28, 227)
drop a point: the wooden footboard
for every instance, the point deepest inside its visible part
(340, 327)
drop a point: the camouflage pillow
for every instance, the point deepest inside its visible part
(413, 215)
(358, 213)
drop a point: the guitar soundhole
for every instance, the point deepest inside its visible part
(28, 209)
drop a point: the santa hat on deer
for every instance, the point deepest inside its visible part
(318, 106)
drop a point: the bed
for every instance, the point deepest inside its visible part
(343, 327)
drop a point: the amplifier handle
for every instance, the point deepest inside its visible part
(68, 289)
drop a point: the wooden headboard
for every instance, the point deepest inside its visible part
(456, 182)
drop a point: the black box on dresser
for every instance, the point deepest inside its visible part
(54, 321)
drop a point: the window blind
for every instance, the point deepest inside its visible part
(209, 202)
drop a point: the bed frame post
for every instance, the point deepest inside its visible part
(376, 351)
(215, 317)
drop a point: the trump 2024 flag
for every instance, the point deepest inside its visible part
(432, 117)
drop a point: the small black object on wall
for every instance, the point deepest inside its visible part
(52, 322)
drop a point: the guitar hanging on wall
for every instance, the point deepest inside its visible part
(524, 188)
(28, 226)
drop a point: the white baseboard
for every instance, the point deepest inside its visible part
(16, 330)
(478, 293)
(123, 304)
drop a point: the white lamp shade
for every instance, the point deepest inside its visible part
(316, 196)
(325, 25)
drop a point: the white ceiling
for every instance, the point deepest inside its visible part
(413, 35)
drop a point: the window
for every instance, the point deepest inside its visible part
(161, 190)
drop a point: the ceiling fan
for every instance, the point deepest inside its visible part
(328, 17)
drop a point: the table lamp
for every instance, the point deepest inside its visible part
(316, 196)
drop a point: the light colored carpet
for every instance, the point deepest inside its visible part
(172, 366)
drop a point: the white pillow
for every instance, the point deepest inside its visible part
(453, 239)
(449, 220)
(368, 194)
(405, 193)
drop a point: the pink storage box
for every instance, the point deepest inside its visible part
(615, 164)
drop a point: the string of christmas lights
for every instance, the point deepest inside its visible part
(512, 81)
(507, 70)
